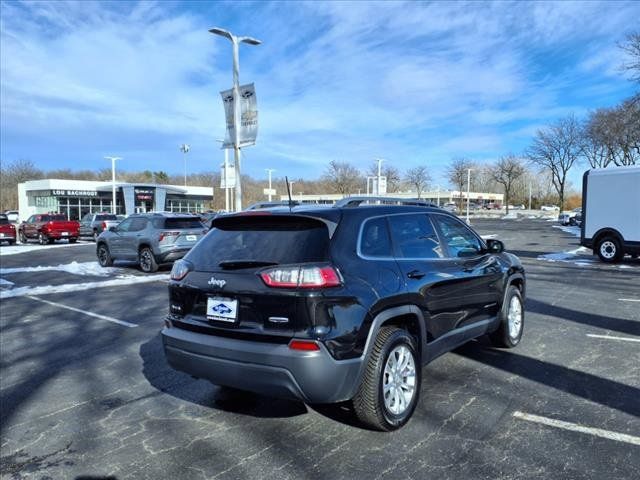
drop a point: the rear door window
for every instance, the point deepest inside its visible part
(414, 237)
(138, 224)
(261, 239)
(102, 218)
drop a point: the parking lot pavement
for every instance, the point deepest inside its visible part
(83, 395)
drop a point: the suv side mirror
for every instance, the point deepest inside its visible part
(494, 246)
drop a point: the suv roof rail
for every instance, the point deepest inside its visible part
(357, 201)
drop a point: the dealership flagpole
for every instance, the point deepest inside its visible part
(113, 182)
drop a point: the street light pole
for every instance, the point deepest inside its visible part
(468, 190)
(184, 148)
(529, 193)
(379, 160)
(269, 171)
(113, 182)
(235, 42)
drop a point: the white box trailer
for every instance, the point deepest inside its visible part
(611, 212)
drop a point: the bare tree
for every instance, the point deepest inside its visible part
(457, 174)
(418, 178)
(612, 135)
(342, 177)
(18, 171)
(390, 172)
(556, 149)
(631, 47)
(506, 171)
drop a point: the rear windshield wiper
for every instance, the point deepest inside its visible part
(236, 264)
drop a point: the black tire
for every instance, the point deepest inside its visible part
(23, 238)
(104, 256)
(572, 221)
(147, 261)
(11, 242)
(369, 402)
(509, 333)
(73, 240)
(608, 249)
(42, 239)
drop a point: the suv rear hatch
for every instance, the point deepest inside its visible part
(183, 232)
(233, 287)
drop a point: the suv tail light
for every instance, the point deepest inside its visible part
(180, 269)
(104, 225)
(301, 276)
(164, 235)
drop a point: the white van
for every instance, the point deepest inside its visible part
(611, 212)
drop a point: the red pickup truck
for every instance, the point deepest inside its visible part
(7, 230)
(48, 227)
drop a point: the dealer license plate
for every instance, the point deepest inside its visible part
(222, 309)
(1, 235)
(192, 238)
(65, 234)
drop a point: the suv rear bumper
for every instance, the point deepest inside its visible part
(265, 368)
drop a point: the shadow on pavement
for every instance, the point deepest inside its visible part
(629, 327)
(585, 385)
(201, 392)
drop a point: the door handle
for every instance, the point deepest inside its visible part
(416, 274)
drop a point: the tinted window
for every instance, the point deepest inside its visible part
(86, 218)
(137, 224)
(375, 239)
(179, 223)
(414, 236)
(462, 242)
(102, 218)
(281, 240)
(53, 218)
(3, 220)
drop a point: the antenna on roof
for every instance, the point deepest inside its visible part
(286, 179)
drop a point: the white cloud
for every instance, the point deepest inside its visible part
(334, 79)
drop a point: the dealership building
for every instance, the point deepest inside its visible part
(75, 198)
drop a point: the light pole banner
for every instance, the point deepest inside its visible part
(227, 176)
(248, 116)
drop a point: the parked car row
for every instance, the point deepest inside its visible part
(574, 217)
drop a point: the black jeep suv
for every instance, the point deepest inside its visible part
(332, 304)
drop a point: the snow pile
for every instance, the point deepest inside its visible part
(75, 287)
(83, 268)
(572, 229)
(24, 248)
(510, 216)
(577, 256)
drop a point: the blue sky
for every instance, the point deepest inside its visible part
(414, 83)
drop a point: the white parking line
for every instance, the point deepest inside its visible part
(90, 314)
(609, 337)
(629, 299)
(574, 427)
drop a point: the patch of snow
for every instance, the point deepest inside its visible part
(572, 229)
(75, 287)
(24, 248)
(83, 268)
(491, 235)
(511, 216)
(570, 256)
(6, 283)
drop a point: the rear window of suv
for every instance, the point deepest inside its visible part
(178, 223)
(281, 240)
(102, 218)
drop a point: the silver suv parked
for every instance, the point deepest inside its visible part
(150, 239)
